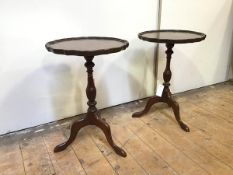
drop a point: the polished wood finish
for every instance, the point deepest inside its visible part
(166, 94)
(153, 143)
(89, 47)
(170, 37)
(92, 117)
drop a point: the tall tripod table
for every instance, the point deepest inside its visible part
(170, 38)
(88, 47)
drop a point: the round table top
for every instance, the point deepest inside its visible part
(87, 46)
(172, 36)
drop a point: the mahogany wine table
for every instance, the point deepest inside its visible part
(88, 47)
(170, 38)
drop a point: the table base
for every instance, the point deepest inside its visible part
(166, 95)
(93, 115)
(171, 103)
(91, 119)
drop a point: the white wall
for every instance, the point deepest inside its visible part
(37, 87)
(204, 63)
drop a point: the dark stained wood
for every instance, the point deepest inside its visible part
(175, 36)
(87, 46)
(89, 49)
(172, 36)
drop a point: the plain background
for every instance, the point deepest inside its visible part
(205, 63)
(39, 87)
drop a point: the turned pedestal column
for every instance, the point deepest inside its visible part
(88, 47)
(170, 38)
(166, 94)
(93, 116)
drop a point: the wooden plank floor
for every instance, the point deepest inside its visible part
(154, 143)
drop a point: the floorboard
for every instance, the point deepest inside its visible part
(155, 144)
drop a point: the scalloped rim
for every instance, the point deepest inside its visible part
(48, 46)
(182, 41)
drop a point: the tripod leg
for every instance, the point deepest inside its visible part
(76, 126)
(150, 102)
(176, 110)
(104, 126)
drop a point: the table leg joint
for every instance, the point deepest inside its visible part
(93, 116)
(166, 94)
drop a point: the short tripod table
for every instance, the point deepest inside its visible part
(170, 38)
(88, 47)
